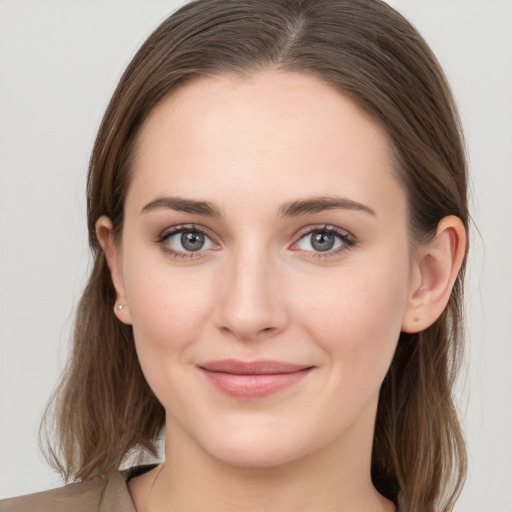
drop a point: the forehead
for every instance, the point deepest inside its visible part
(276, 131)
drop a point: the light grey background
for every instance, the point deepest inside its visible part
(59, 63)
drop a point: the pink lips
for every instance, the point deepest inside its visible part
(253, 379)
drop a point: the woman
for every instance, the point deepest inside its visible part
(277, 205)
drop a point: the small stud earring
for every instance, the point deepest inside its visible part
(120, 307)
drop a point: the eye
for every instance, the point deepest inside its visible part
(328, 240)
(183, 241)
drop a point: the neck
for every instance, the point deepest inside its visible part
(333, 479)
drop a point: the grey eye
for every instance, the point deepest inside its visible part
(192, 240)
(322, 241)
(186, 240)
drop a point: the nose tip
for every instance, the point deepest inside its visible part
(249, 316)
(250, 305)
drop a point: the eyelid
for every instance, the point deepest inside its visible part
(180, 228)
(348, 240)
(323, 227)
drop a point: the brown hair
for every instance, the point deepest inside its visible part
(104, 407)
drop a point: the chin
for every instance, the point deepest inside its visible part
(262, 446)
(254, 455)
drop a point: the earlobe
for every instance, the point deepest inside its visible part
(435, 270)
(105, 237)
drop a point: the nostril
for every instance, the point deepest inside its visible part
(247, 333)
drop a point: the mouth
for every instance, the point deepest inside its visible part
(253, 379)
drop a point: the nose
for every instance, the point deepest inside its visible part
(250, 302)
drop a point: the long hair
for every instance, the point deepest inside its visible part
(103, 410)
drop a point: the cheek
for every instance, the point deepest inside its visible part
(355, 316)
(169, 310)
(168, 306)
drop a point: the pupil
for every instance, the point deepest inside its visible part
(323, 241)
(192, 240)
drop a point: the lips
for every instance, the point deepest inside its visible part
(253, 379)
(252, 367)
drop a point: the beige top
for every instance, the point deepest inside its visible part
(108, 494)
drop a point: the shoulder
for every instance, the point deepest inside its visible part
(108, 494)
(81, 496)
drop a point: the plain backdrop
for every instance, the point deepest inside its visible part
(59, 63)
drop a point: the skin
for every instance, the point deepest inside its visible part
(259, 290)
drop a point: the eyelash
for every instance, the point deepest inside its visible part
(348, 241)
(346, 238)
(165, 235)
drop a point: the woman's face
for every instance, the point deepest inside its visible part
(264, 222)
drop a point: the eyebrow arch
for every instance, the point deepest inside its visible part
(181, 204)
(320, 204)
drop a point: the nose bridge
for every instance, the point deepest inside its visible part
(249, 302)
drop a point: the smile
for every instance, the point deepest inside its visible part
(255, 379)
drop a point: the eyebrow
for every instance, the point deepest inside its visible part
(290, 209)
(181, 204)
(320, 204)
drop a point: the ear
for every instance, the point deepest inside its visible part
(113, 255)
(434, 271)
